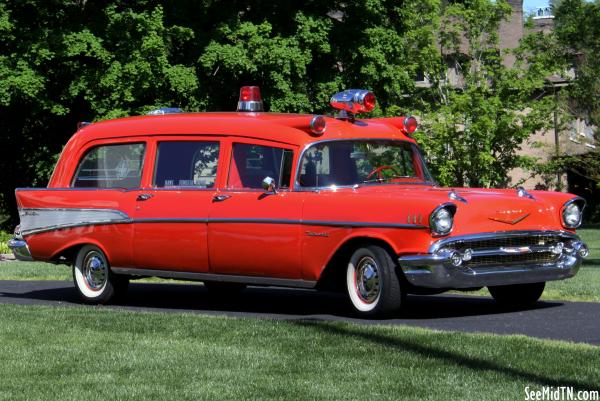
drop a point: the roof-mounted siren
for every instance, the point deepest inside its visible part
(353, 101)
(164, 110)
(250, 99)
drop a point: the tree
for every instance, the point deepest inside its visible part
(577, 30)
(65, 61)
(477, 118)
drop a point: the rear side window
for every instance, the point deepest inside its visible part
(111, 166)
(250, 164)
(186, 164)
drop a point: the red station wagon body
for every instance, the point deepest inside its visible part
(290, 236)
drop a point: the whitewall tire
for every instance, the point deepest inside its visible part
(372, 283)
(93, 278)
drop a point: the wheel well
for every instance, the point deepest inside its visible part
(332, 277)
(67, 256)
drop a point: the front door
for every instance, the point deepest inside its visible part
(171, 217)
(252, 232)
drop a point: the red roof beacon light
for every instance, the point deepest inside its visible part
(250, 99)
(410, 125)
(354, 101)
(318, 125)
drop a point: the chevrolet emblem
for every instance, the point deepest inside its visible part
(509, 216)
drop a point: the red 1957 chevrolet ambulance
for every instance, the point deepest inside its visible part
(292, 200)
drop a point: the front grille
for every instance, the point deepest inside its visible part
(507, 242)
(536, 258)
(499, 257)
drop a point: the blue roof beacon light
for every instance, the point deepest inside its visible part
(164, 110)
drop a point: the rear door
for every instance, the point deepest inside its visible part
(252, 232)
(171, 214)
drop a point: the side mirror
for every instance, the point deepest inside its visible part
(268, 185)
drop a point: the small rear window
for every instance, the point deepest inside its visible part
(111, 166)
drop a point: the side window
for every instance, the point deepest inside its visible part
(250, 164)
(186, 164)
(111, 166)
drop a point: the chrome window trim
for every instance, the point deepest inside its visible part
(176, 187)
(297, 187)
(88, 150)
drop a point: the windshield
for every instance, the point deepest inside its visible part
(359, 162)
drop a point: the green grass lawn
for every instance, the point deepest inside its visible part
(583, 287)
(98, 354)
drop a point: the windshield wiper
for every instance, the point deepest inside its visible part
(384, 179)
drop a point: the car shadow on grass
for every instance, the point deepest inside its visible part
(444, 355)
(268, 302)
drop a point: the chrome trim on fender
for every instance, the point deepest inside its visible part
(38, 220)
(268, 281)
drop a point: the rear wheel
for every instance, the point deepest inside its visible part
(517, 295)
(373, 286)
(94, 280)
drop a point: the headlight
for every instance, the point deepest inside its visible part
(571, 213)
(441, 219)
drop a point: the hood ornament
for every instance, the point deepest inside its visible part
(455, 196)
(522, 193)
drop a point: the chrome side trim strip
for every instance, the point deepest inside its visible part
(234, 220)
(37, 220)
(270, 281)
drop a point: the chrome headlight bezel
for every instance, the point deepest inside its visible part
(449, 209)
(577, 204)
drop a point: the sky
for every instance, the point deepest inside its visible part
(530, 5)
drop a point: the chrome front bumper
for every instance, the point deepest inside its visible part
(20, 249)
(451, 263)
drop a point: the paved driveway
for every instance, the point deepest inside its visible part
(570, 321)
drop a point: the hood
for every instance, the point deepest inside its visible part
(478, 209)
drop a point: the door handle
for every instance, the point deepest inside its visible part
(220, 198)
(143, 197)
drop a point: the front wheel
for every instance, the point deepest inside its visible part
(372, 283)
(94, 280)
(517, 295)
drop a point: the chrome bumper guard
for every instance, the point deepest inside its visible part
(466, 261)
(20, 249)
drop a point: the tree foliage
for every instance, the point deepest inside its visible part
(64, 61)
(481, 107)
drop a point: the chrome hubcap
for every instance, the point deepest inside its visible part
(95, 270)
(367, 279)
